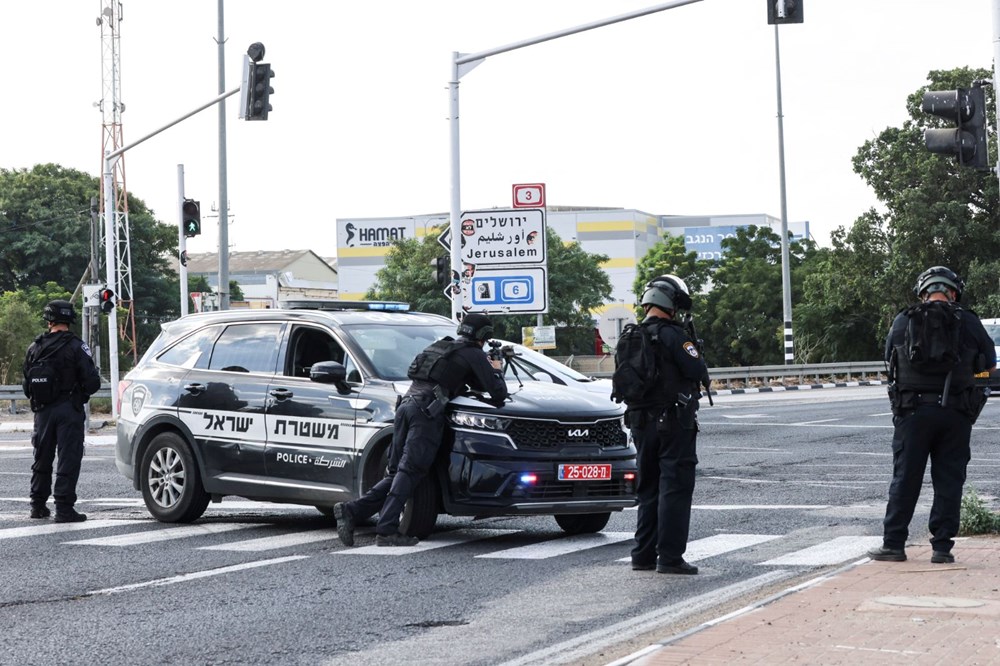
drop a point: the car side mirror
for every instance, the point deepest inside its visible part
(330, 372)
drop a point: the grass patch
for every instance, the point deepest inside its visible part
(977, 518)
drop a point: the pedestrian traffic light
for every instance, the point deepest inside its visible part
(191, 217)
(784, 11)
(107, 300)
(259, 91)
(442, 270)
(966, 107)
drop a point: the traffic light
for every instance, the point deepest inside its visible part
(966, 107)
(191, 217)
(442, 270)
(107, 300)
(259, 91)
(784, 11)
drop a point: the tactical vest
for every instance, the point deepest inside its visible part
(435, 364)
(908, 377)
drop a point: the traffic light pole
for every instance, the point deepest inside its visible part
(786, 278)
(996, 78)
(182, 270)
(109, 241)
(464, 63)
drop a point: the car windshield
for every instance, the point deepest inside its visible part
(994, 331)
(392, 347)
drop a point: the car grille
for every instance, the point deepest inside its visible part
(549, 435)
(553, 490)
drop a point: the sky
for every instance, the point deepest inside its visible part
(674, 113)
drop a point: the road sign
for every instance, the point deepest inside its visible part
(612, 321)
(522, 289)
(499, 237)
(529, 195)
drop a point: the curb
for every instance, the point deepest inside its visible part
(800, 387)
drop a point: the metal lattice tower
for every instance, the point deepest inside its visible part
(111, 111)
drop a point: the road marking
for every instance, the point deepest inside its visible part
(165, 534)
(740, 507)
(819, 421)
(183, 578)
(560, 546)
(56, 528)
(273, 542)
(834, 551)
(702, 549)
(432, 543)
(888, 426)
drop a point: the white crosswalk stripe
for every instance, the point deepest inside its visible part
(560, 546)
(165, 534)
(434, 542)
(834, 551)
(719, 544)
(57, 528)
(274, 542)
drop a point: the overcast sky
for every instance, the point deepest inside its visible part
(672, 113)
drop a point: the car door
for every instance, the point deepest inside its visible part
(222, 400)
(310, 426)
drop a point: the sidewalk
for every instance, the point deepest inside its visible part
(911, 612)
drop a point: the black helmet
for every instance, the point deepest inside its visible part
(667, 292)
(476, 326)
(942, 276)
(59, 312)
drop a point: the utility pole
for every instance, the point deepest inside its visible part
(223, 183)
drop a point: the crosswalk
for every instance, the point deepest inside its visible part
(477, 543)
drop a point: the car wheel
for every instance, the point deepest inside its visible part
(171, 482)
(583, 523)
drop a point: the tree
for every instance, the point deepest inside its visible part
(670, 257)
(577, 285)
(45, 236)
(937, 212)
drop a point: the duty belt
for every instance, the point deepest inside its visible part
(928, 398)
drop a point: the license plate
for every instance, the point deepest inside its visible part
(584, 472)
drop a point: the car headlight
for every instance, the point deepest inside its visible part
(479, 421)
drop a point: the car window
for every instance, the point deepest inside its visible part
(247, 348)
(307, 346)
(391, 348)
(193, 351)
(994, 331)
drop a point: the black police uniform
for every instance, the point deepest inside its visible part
(418, 430)
(664, 430)
(924, 428)
(60, 424)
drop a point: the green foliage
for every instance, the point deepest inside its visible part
(19, 324)
(670, 257)
(577, 285)
(976, 517)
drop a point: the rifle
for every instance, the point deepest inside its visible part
(699, 344)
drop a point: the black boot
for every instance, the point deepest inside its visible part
(40, 511)
(69, 515)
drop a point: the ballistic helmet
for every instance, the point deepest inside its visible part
(667, 292)
(938, 278)
(59, 312)
(476, 326)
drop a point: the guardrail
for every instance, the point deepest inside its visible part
(754, 375)
(14, 394)
(604, 366)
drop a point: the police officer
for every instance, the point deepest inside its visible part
(58, 407)
(933, 413)
(664, 428)
(439, 373)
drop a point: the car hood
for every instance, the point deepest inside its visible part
(542, 399)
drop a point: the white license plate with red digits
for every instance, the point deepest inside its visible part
(584, 472)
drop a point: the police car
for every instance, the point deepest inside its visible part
(296, 405)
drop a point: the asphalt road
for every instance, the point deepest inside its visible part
(789, 485)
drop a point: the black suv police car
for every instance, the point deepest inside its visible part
(296, 405)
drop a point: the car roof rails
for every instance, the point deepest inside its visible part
(334, 305)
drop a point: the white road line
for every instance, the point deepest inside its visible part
(560, 546)
(165, 534)
(888, 426)
(702, 549)
(818, 421)
(834, 551)
(183, 578)
(56, 528)
(434, 542)
(273, 542)
(741, 507)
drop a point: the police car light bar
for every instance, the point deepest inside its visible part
(383, 306)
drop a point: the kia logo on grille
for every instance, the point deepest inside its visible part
(579, 432)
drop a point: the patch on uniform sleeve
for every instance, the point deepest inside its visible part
(691, 349)
(84, 347)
